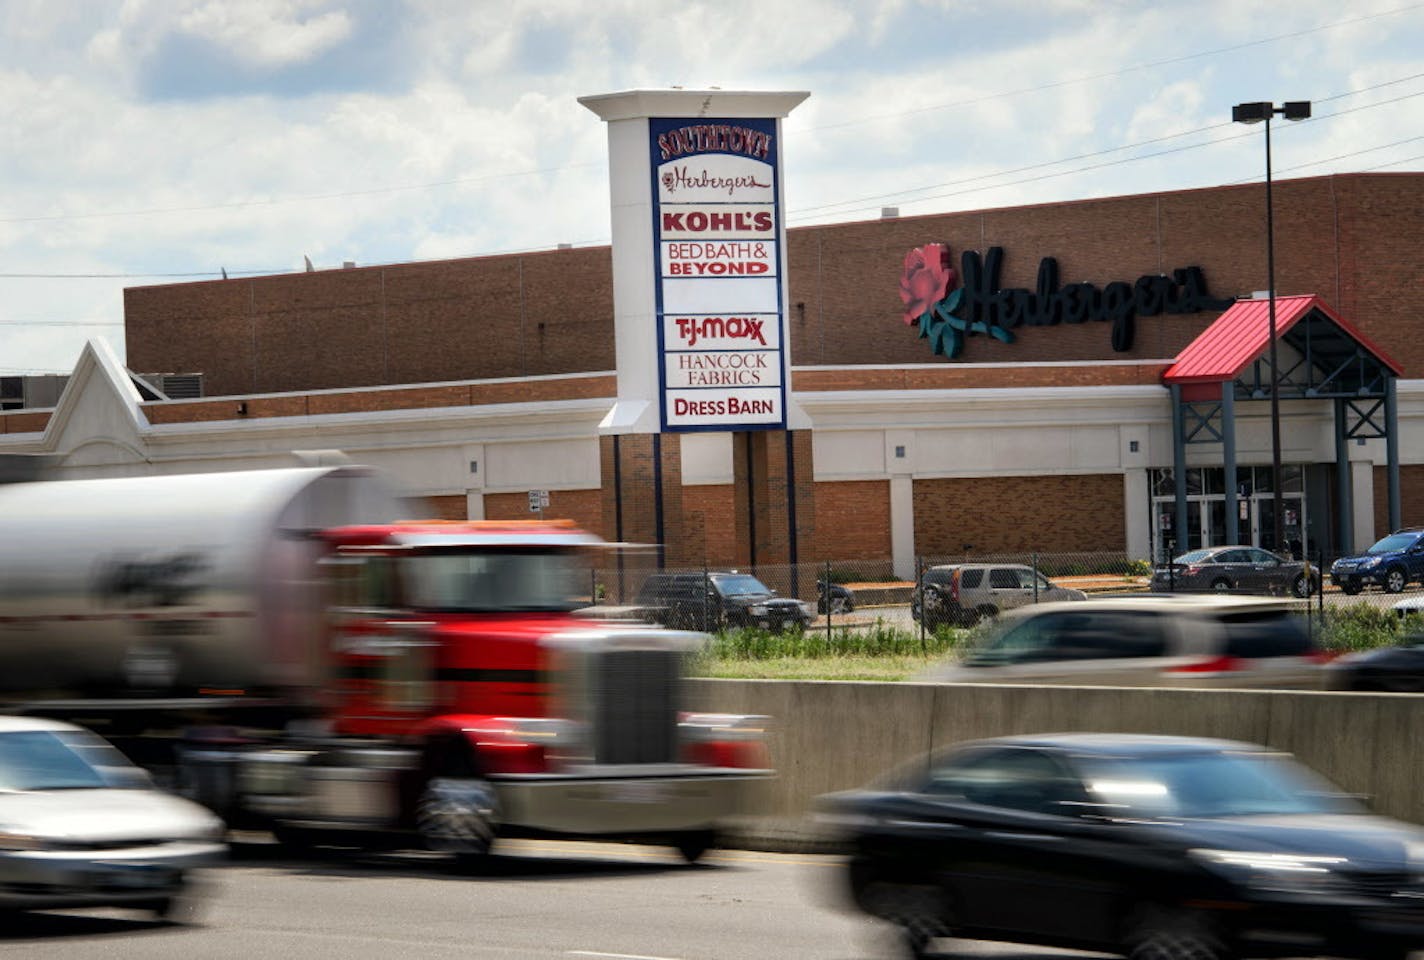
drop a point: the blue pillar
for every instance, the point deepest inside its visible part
(1179, 468)
(1344, 501)
(1228, 459)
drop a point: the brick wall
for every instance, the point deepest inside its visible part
(631, 492)
(23, 422)
(511, 316)
(1411, 497)
(1060, 514)
(709, 525)
(853, 520)
(447, 507)
(773, 469)
(1351, 238)
(397, 398)
(583, 507)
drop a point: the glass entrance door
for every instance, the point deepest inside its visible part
(1206, 510)
(1263, 533)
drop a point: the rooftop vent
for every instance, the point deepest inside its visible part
(176, 386)
(566, 246)
(889, 213)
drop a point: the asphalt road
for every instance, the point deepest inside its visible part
(568, 901)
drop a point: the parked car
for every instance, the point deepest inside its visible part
(1151, 640)
(1237, 569)
(80, 826)
(841, 597)
(1390, 563)
(1398, 668)
(962, 594)
(1146, 846)
(719, 598)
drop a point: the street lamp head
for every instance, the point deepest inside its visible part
(1250, 112)
(1262, 110)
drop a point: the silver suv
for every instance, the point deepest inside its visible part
(962, 594)
(1155, 640)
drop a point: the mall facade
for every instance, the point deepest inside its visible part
(1047, 378)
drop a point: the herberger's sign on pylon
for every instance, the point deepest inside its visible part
(946, 316)
(718, 235)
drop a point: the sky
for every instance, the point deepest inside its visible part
(159, 141)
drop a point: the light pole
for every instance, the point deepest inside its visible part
(1255, 113)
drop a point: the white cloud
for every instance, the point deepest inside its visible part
(385, 131)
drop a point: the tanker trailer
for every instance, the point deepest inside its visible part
(167, 600)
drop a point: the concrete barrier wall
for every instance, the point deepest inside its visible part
(834, 735)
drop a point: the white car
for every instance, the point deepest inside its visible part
(81, 826)
(1153, 640)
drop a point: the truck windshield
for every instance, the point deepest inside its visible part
(496, 581)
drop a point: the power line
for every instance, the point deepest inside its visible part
(60, 323)
(1113, 163)
(1116, 73)
(245, 204)
(1084, 156)
(345, 195)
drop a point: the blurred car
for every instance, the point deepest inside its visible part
(1390, 563)
(962, 594)
(1151, 640)
(1238, 569)
(1399, 668)
(1146, 846)
(720, 598)
(841, 598)
(81, 826)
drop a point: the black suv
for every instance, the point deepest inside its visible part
(710, 601)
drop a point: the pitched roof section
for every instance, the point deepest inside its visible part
(1243, 333)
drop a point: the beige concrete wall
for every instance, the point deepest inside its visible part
(832, 735)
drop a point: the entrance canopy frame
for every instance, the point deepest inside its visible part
(1324, 359)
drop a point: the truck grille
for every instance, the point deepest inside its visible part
(635, 703)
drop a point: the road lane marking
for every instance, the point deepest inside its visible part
(617, 956)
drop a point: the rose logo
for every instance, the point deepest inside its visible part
(926, 279)
(924, 287)
(670, 181)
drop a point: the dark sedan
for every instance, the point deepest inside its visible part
(1399, 669)
(1137, 845)
(1237, 569)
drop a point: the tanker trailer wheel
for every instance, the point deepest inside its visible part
(457, 816)
(694, 843)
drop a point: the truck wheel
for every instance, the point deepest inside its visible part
(456, 816)
(1395, 580)
(693, 844)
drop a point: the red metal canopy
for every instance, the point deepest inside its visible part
(1242, 334)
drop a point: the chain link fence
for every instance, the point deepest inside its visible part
(962, 590)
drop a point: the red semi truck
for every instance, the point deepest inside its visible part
(287, 650)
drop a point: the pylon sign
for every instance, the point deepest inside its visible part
(717, 235)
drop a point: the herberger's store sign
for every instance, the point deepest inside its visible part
(946, 316)
(718, 239)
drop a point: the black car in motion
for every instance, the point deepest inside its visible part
(1146, 846)
(1397, 669)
